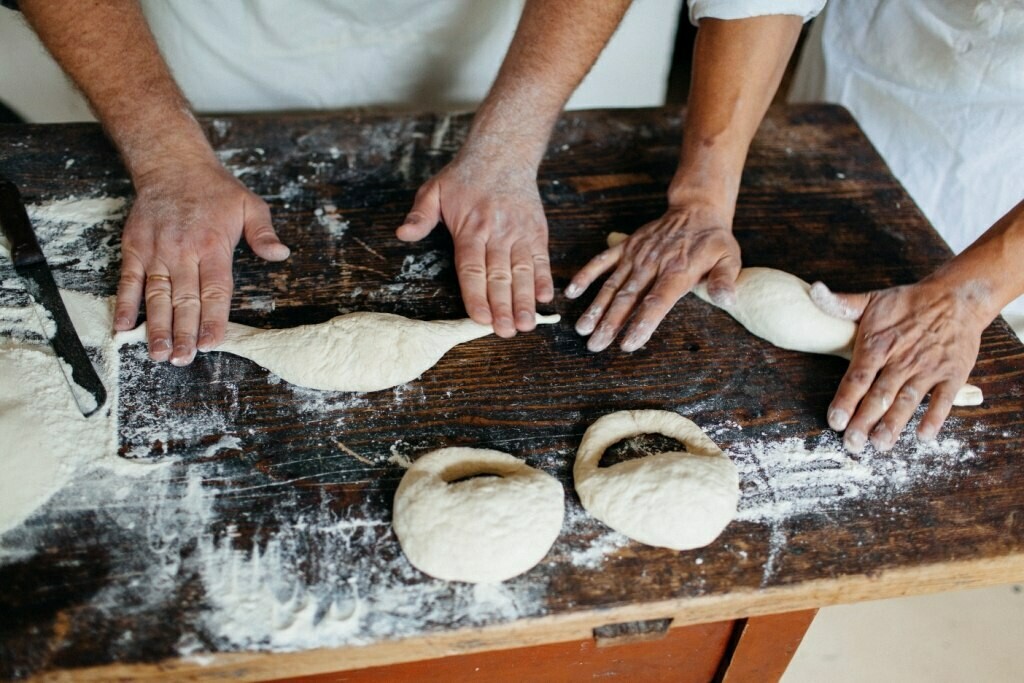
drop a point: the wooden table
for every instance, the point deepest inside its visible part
(283, 496)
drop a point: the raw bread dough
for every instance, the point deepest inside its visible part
(777, 307)
(481, 530)
(678, 500)
(354, 352)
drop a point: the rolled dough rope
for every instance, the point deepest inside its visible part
(480, 530)
(353, 352)
(777, 307)
(677, 500)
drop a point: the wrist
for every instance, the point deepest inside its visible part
(180, 144)
(488, 154)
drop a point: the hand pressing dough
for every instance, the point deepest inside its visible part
(481, 530)
(671, 500)
(354, 352)
(777, 307)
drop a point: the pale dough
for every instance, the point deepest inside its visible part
(481, 530)
(678, 500)
(355, 352)
(777, 307)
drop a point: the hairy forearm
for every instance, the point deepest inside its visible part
(737, 67)
(555, 45)
(107, 49)
(989, 271)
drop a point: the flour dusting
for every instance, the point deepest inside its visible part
(329, 218)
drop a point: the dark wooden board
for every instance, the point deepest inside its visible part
(816, 200)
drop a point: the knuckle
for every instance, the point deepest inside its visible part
(499, 275)
(908, 396)
(653, 301)
(215, 292)
(131, 278)
(860, 376)
(522, 268)
(185, 300)
(471, 270)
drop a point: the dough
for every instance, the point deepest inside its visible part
(480, 530)
(672, 500)
(777, 307)
(354, 352)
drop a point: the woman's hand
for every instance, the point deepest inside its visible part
(653, 269)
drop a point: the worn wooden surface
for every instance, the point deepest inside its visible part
(129, 577)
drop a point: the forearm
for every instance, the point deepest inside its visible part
(107, 49)
(989, 271)
(555, 45)
(737, 67)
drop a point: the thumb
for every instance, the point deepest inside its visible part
(424, 215)
(259, 233)
(842, 306)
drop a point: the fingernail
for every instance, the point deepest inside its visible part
(525, 318)
(838, 419)
(881, 438)
(508, 328)
(926, 434)
(122, 323)
(599, 342)
(205, 342)
(161, 345)
(854, 441)
(637, 338)
(572, 291)
(182, 355)
(587, 322)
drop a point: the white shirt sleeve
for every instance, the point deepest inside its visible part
(744, 9)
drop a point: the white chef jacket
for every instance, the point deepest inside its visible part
(269, 55)
(937, 86)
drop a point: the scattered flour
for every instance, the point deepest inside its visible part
(328, 217)
(73, 226)
(423, 267)
(786, 478)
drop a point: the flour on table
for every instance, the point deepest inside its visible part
(456, 525)
(678, 500)
(49, 440)
(353, 352)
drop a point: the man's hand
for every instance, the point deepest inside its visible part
(494, 213)
(911, 341)
(177, 249)
(663, 259)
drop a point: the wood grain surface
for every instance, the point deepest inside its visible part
(285, 494)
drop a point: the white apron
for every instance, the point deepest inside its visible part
(938, 87)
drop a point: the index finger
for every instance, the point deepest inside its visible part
(471, 266)
(595, 268)
(670, 286)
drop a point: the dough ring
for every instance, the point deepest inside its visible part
(672, 500)
(483, 529)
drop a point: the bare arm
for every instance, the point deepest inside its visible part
(488, 195)
(189, 212)
(737, 67)
(923, 338)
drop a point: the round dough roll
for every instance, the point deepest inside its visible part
(484, 529)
